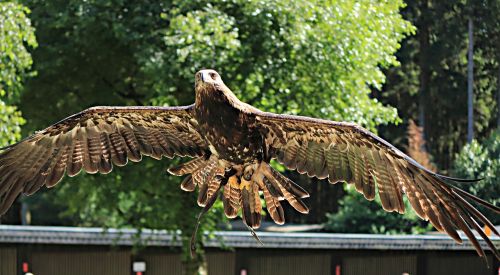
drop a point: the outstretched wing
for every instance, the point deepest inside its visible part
(346, 152)
(93, 140)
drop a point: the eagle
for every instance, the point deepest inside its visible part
(231, 144)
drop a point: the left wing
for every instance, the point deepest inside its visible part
(93, 141)
(347, 152)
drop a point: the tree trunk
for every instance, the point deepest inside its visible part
(498, 97)
(425, 73)
(470, 85)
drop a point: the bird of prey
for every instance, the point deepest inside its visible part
(232, 144)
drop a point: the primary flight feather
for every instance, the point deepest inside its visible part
(231, 144)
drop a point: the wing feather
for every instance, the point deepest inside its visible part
(75, 158)
(133, 147)
(59, 167)
(118, 149)
(94, 140)
(354, 155)
(104, 166)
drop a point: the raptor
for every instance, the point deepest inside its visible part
(231, 144)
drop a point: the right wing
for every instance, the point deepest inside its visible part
(94, 140)
(343, 151)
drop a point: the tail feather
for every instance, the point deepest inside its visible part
(187, 167)
(288, 184)
(251, 205)
(187, 184)
(210, 176)
(274, 207)
(232, 197)
(447, 207)
(203, 177)
(273, 188)
(290, 190)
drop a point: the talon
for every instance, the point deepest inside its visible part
(248, 172)
(244, 185)
(233, 181)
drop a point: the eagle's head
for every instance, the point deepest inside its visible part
(207, 82)
(207, 78)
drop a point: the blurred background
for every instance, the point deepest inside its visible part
(424, 75)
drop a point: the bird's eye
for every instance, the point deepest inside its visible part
(213, 76)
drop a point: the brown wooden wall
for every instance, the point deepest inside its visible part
(285, 262)
(221, 262)
(438, 263)
(84, 260)
(80, 262)
(164, 263)
(390, 263)
(8, 261)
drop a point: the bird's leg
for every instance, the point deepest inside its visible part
(248, 173)
(210, 203)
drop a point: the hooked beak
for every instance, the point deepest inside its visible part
(207, 76)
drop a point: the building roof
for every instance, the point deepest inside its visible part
(238, 239)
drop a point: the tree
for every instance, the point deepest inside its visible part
(16, 37)
(480, 161)
(358, 215)
(416, 146)
(310, 58)
(430, 85)
(433, 78)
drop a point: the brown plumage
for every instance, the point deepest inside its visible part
(232, 144)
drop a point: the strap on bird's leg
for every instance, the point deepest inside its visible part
(210, 203)
(192, 242)
(254, 235)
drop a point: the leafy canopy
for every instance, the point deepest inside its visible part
(481, 161)
(16, 36)
(302, 57)
(312, 58)
(358, 215)
(433, 74)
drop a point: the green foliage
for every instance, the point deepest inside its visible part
(316, 58)
(283, 61)
(358, 215)
(10, 124)
(433, 74)
(16, 35)
(481, 160)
